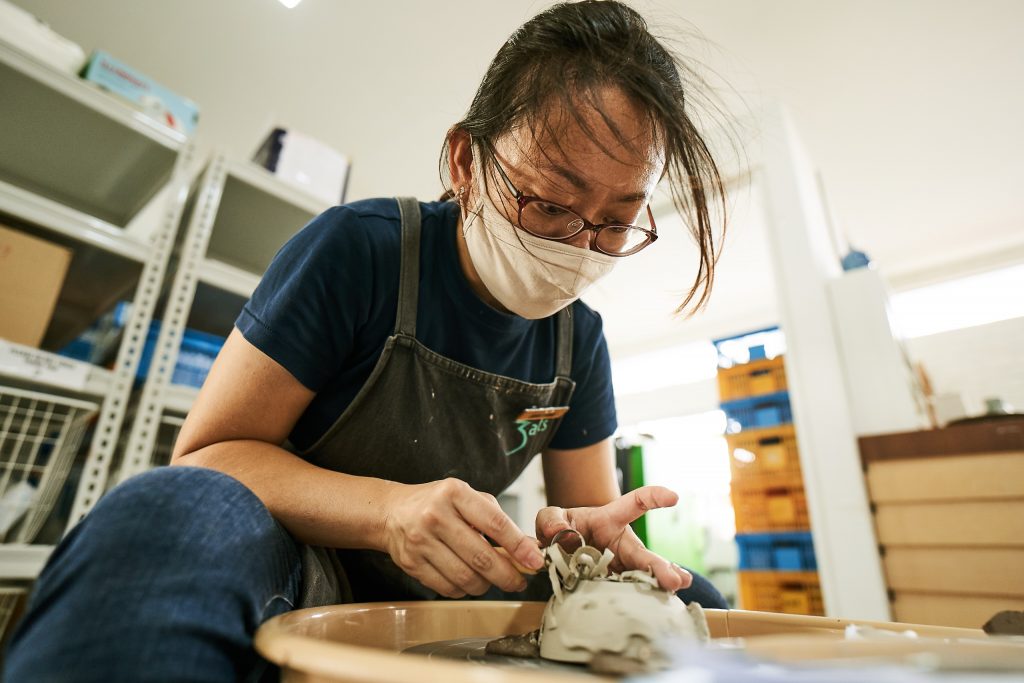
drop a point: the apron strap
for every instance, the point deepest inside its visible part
(563, 354)
(409, 280)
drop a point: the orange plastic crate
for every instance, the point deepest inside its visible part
(779, 508)
(765, 457)
(787, 592)
(752, 379)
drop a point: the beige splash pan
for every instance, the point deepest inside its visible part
(359, 643)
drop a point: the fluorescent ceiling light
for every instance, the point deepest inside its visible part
(956, 304)
(289, 3)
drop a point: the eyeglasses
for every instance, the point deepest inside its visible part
(551, 221)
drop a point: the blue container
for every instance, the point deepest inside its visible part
(787, 551)
(195, 356)
(749, 347)
(769, 410)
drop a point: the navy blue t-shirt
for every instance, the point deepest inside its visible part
(328, 302)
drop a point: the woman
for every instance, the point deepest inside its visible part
(398, 366)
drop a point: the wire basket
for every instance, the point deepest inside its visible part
(39, 438)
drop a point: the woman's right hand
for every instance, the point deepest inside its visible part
(437, 533)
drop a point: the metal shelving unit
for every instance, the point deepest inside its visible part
(76, 168)
(240, 216)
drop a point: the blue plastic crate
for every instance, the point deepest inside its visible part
(787, 551)
(98, 341)
(750, 346)
(195, 356)
(769, 410)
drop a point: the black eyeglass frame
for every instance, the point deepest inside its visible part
(522, 200)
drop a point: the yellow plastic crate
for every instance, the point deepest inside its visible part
(765, 457)
(780, 508)
(786, 592)
(752, 379)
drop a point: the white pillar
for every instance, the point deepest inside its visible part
(804, 263)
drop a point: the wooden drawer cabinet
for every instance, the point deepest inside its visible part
(949, 514)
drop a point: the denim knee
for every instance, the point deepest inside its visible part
(172, 571)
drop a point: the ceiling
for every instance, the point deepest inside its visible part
(911, 111)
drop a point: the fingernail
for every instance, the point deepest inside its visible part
(535, 560)
(520, 587)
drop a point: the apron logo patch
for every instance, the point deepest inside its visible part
(533, 421)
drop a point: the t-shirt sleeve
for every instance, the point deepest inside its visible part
(306, 309)
(591, 417)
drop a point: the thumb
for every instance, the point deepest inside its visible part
(550, 521)
(634, 504)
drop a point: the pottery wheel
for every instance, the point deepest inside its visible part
(472, 650)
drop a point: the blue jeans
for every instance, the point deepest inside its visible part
(168, 578)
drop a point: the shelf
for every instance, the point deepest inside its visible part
(227, 277)
(66, 140)
(26, 364)
(86, 230)
(257, 214)
(23, 562)
(179, 398)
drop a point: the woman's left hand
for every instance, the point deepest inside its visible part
(607, 526)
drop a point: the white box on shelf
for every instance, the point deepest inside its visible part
(306, 163)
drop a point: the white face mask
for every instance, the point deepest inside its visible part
(528, 275)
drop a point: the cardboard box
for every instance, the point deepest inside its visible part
(31, 276)
(161, 104)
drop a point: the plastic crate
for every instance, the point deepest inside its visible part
(782, 508)
(789, 551)
(39, 438)
(756, 378)
(749, 347)
(769, 410)
(196, 355)
(98, 342)
(765, 457)
(786, 592)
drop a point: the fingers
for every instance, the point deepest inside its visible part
(429, 576)
(474, 563)
(550, 521)
(633, 555)
(486, 516)
(634, 504)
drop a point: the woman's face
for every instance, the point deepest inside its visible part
(602, 176)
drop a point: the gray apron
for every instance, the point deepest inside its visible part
(422, 417)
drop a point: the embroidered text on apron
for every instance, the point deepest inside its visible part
(421, 417)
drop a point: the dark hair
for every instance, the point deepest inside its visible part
(564, 55)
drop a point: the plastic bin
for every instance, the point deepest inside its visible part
(786, 592)
(96, 343)
(195, 357)
(789, 551)
(782, 508)
(39, 438)
(765, 457)
(756, 378)
(749, 347)
(769, 410)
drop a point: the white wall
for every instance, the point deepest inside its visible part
(977, 362)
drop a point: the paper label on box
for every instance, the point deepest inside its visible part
(40, 366)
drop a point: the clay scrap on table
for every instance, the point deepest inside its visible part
(1006, 623)
(618, 623)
